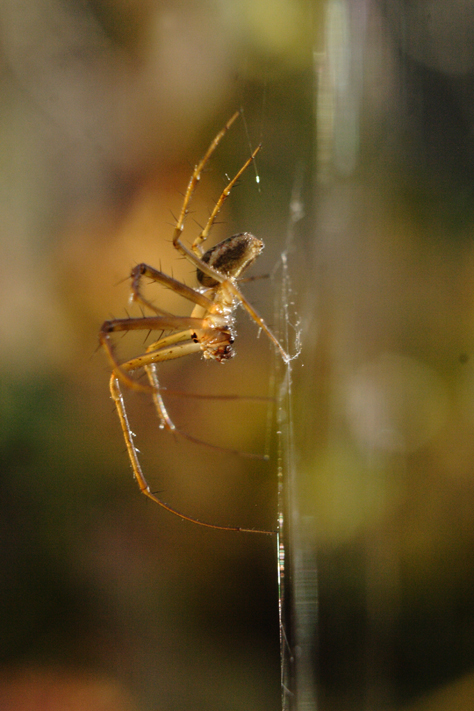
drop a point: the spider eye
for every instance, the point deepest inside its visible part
(231, 257)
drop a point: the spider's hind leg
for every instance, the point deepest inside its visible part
(168, 424)
(138, 472)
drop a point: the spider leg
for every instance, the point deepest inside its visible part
(170, 352)
(205, 396)
(168, 424)
(138, 472)
(196, 248)
(179, 323)
(143, 270)
(233, 288)
(170, 340)
(195, 252)
(195, 178)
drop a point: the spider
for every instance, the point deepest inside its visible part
(209, 329)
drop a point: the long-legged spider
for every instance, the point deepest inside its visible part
(208, 330)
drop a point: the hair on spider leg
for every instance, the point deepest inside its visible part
(121, 281)
(198, 223)
(127, 313)
(158, 492)
(172, 224)
(148, 335)
(209, 330)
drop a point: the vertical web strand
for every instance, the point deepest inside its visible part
(297, 573)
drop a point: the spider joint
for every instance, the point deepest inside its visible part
(107, 327)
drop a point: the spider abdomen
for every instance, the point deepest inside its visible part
(230, 257)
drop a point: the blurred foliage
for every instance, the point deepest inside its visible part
(105, 107)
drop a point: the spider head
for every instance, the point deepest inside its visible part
(231, 257)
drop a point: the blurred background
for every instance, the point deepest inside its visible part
(365, 111)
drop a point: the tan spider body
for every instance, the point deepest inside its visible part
(210, 329)
(231, 257)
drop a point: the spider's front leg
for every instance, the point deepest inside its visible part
(194, 254)
(196, 246)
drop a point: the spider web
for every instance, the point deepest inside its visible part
(297, 581)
